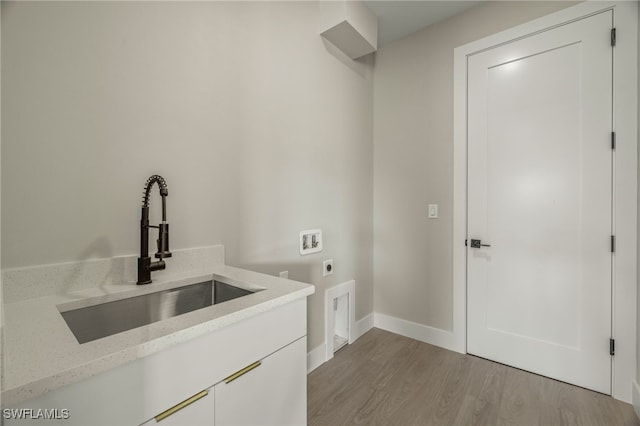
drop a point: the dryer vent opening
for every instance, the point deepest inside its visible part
(339, 317)
(340, 322)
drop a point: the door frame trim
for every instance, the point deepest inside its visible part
(625, 116)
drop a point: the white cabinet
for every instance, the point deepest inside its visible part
(271, 391)
(137, 392)
(258, 396)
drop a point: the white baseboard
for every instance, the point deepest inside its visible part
(635, 397)
(363, 325)
(434, 336)
(316, 357)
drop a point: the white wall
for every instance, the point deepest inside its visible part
(260, 129)
(1, 286)
(413, 160)
(636, 402)
(638, 262)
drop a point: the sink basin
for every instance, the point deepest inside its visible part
(97, 321)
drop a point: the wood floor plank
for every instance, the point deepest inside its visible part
(487, 399)
(353, 387)
(452, 393)
(521, 398)
(425, 402)
(386, 379)
(418, 372)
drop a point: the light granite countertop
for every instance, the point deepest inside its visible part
(40, 353)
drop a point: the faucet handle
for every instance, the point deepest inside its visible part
(163, 241)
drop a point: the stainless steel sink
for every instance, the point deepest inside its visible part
(97, 321)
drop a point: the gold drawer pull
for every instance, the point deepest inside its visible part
(180, 406)
(242, 372)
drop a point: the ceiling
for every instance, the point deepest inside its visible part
(399, 18)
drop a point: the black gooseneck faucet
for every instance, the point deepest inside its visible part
(145, 265)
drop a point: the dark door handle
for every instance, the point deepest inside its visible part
(478, 244)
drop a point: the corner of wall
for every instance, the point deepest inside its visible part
(635, 397)
(1, 286)
(636, 390)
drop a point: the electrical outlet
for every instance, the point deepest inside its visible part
(327, 267)
(310, 241)
(284, 274)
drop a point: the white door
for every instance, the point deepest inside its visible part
(540, 194)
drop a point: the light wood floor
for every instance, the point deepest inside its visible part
(387, 379)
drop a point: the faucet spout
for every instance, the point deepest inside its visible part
(145, 265)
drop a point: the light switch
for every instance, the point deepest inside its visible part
(433, 211)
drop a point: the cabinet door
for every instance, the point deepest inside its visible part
(273, 393)
(195, 411)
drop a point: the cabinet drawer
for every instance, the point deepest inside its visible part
(273, 393)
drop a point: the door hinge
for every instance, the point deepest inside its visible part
(613, 37)
(465, 243)
(613, 140)
(612, 347)
(613, 244)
